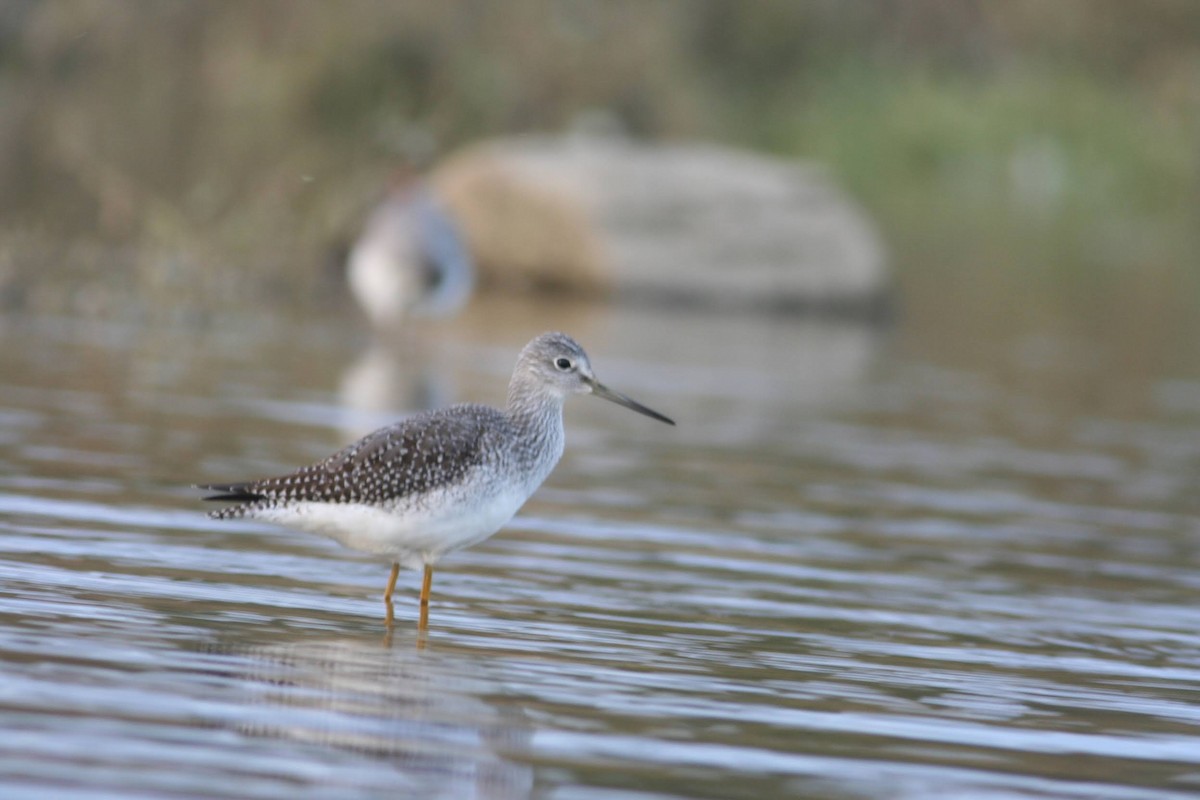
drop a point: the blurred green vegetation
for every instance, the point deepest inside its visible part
(1045, 138)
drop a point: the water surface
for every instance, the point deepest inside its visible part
(956, 558)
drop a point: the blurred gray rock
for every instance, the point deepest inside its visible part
(693, 224)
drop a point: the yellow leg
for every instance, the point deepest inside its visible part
(391, 587)
(425, 586)
(387, 594)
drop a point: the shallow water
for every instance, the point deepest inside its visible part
(956, 558)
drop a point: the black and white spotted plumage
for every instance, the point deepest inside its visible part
(390, 466)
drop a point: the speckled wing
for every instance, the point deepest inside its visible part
(403, 460)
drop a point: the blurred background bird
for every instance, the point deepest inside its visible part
(410, 258)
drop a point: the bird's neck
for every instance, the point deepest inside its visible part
(538, 417)
(533, 406)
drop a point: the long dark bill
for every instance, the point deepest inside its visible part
(600, 390)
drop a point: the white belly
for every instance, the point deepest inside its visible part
(412, 536)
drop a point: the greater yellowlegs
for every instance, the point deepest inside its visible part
(438, 481)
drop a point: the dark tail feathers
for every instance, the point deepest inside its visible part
(231, 492)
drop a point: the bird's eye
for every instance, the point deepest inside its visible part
(563, 364)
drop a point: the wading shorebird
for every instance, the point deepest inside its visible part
(439, 481)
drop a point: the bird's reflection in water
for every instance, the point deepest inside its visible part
(395, 376)
(444, 725)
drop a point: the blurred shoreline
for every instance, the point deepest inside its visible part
(246, 141)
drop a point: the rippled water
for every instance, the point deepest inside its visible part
(958, 558)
